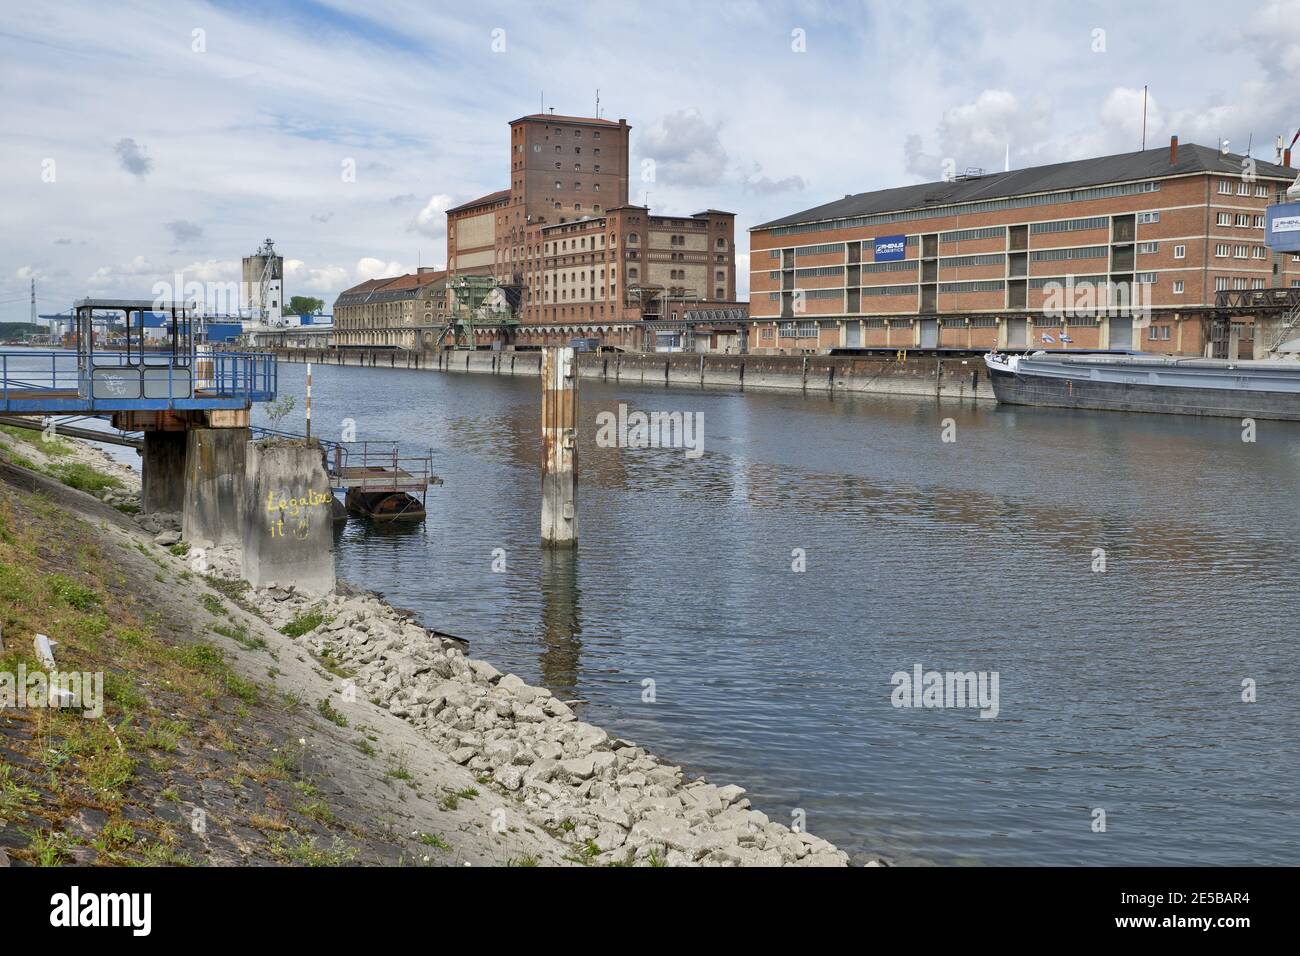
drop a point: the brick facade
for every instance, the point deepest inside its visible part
(1010, 267)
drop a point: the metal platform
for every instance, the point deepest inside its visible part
(117, 366)
(59, 382)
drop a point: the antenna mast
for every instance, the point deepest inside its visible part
(1144, 116)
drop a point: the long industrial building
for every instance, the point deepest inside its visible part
(1126, 251)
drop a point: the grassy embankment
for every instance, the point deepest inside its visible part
(117, 790)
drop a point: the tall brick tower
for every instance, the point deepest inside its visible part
(562, 168)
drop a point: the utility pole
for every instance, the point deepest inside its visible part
(559, 448)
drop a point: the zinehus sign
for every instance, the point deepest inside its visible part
(890, 248)
(1283, 227)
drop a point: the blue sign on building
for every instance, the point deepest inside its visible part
(1282, 231)
(890, 248)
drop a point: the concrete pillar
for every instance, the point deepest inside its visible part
(215, 461)
(559, 448)
(162, 472)
(288, 526)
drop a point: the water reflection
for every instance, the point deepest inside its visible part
(560, 619)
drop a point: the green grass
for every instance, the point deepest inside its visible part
(49, 849)
(81, 476)
(239, 634)
(304, 622)
(304, 852)
(213, 605)
(13, 796)
(211, 661)
(435, 841)
(326, 710)
(71, 593)
(317, 810)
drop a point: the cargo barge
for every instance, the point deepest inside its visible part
(1141, 383)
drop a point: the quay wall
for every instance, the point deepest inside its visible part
(920, 375)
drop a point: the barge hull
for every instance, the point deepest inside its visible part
(1019, 389)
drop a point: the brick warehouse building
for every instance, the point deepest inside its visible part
(586, 262)
(1021, 258)
(407, 311)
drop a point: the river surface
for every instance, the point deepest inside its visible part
(1120, 691)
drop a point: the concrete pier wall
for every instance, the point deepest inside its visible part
(162, 472)
(215, 463)
(288, 529)
(924, 375)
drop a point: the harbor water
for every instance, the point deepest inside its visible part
(1129, 579)
(1119, 690)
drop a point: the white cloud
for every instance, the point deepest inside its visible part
(686, 149)
(213, 270)
(299, 277)
(431, 221)
(370, 268)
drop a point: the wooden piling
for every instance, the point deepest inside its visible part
(559, 448)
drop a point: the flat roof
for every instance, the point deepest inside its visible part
(561, 118)
(1076, 174)
(148, 305)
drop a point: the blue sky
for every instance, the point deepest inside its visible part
(141, 140)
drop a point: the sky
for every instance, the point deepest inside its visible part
(142, 141)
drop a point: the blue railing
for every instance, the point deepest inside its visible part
(62, 382)
(252, 375)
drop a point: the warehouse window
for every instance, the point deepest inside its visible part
(1068, 225)
(1148, 217)
(958, 262)
(1180, 252)
(965, 235)
(1178, 287)
(1077, 252)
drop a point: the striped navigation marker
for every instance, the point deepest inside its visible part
(309, 399)
(559, 448)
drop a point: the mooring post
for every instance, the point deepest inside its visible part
(559, 448)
